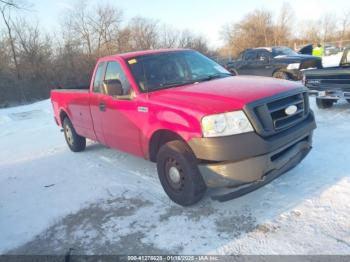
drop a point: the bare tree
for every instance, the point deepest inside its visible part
(344, 26)
(193, 41)
(168, 36)
(328, 24)
(284, 23)
(77, 26)
(255, 29)
(144, 33)
(106, 23)
(6, 9)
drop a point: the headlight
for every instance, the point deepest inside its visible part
(226, 124)
(293, 66)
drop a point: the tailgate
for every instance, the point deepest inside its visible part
(331, 78)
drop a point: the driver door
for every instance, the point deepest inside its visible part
(264, 65)
(120, 126)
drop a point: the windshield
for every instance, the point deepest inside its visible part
(165, 70)
(277, 51)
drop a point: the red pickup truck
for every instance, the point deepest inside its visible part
(201, 125)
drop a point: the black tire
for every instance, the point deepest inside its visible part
(186, 187)
(75, 142)
(348, 100)
(324, 103)
(281, 75)
(233, 72)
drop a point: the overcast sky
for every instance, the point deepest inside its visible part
(203, 16)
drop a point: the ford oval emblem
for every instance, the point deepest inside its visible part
(291, 110)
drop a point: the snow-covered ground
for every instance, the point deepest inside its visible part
(103, 201)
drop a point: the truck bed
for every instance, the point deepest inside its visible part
(77, 104)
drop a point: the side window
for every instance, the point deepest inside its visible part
(97, 88)
(250, 55)
(115, 75)
(263, 56)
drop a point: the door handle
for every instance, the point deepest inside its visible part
(102, 107)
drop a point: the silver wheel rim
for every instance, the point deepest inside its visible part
(69, 135)
(174, 175)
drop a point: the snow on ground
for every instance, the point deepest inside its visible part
(103, 201)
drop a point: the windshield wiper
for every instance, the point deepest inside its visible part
(176, 83)
(192, 81)
(213, 76)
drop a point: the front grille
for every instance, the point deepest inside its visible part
(278, 115)
(269, 117)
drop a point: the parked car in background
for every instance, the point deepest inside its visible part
(201, 125)
(330, 84)
(279, 62)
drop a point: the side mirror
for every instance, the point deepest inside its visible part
(130, 96)
(113, 87)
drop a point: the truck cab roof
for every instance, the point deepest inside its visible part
(149, 52)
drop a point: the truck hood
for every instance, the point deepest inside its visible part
(296, 58)
(306, 61)
(221, 95)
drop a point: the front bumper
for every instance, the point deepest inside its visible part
(325, 92)
(241, 159)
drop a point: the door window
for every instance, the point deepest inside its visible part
(250, 55)
(263, 56)
(115, 75)
(97, 88)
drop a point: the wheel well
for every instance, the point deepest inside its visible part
(233, 70)
(279, 70)
(63, 115)
(160, 138)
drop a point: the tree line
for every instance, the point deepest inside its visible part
(262, 27)
(33, 61)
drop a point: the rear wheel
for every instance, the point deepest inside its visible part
(75, 142)
(324, 103)
(281, 75)
(179, 174)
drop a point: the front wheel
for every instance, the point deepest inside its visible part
(324, 103)
(179, 174)
(75, 142)
(348, 100)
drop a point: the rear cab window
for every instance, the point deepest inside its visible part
(98, 80)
